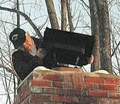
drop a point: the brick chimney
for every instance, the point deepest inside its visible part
(68, 87)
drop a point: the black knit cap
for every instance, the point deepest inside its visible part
(17, 37)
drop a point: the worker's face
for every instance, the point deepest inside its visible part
(28, 44)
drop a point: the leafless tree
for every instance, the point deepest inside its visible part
(95, 32)
(63, 15)
(104, 30)
(72, 15)
(52, 14)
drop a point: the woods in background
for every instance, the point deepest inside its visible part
(96, 17)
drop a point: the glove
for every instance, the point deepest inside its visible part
(41, 53)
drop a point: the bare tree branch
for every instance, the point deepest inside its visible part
(115, 49)
(25, 16)
(63, 15)
(69, 16)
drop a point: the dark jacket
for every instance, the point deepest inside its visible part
(24, 63)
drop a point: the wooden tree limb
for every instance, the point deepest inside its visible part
(52, 14)
(69, 16)
(63, 15)
(25, 16)
(115, 49)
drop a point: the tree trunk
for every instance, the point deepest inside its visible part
(63, 15)
(69, 16)
(95, 32)
(52, 14)
(104, 29)
(18, 16)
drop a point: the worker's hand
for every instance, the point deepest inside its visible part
(41, 53)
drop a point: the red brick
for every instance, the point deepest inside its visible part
(21, 97)
(94, 80)
(39, 98)
(25, 91)
(115, 95)
(72, 78)
(57, 84)
(51, 90)
(58, 98)
(52, 77)
(65, 99)
(69, 88)
(71, 99)
(26, 101)
(108, 87)
(87, 100)
(41, 83)
(82, 85)
(67, 78)
(93, 93)
(62, 84)
(108, 101)
(67, 85)
(75, 92)
(112, 81)
(76, 78)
